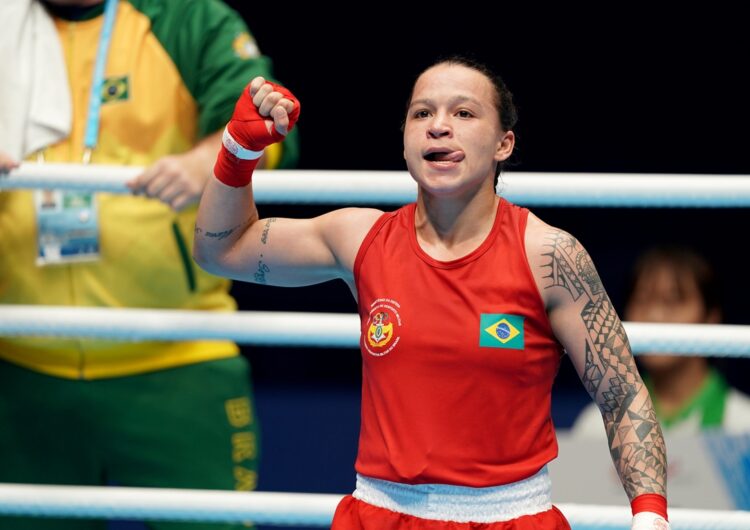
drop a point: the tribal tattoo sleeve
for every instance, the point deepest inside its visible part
(609, 373)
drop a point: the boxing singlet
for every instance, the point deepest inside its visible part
(458, 358)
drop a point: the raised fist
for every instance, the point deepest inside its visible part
(263, 115)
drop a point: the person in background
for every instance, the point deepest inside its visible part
(150, 414)
(672, 284)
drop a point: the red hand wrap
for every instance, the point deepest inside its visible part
(234, 171)
(249, 129)
(650, 502)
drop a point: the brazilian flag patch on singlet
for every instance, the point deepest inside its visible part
(501, 331)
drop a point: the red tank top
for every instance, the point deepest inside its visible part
(458, 358)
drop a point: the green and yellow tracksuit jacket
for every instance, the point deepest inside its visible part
(174, 71)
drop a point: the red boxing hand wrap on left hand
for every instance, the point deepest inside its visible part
(650, 502)
(248, 131)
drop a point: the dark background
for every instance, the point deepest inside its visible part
(621, 90)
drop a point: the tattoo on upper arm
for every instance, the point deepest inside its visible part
(266, 228)
(610, 374)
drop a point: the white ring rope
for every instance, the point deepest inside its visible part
(396, 187)
(339, 330)
(246, 327)
(167, 504)
(275, 508)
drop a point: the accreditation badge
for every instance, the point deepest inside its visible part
(67, 227)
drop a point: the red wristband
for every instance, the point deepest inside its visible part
(234, 171)
(650, 502)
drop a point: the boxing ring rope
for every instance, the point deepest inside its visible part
(337, 330)
(396, 187)
(280, 509)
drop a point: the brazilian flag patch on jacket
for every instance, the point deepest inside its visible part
(501, 331)
(115, 89)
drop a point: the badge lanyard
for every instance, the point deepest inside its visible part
(95, 97)
(67, 221)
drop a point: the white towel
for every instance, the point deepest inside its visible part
(35, 102)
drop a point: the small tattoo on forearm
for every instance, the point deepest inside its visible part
(220, 235)
(260, 274)
(223, 234)
(266, 228)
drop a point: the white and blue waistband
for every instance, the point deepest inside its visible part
(460, 504)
